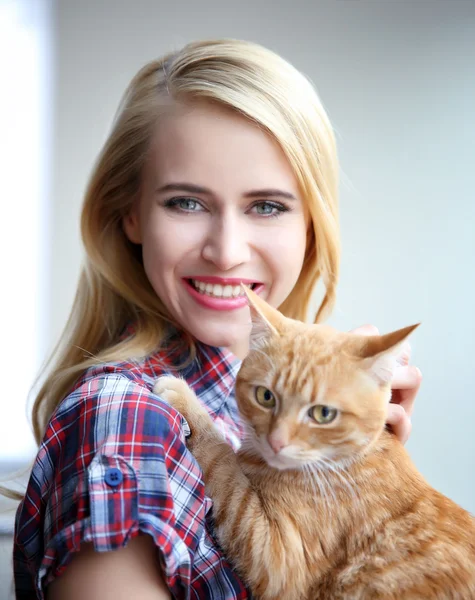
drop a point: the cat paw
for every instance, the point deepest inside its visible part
(168, 383)
(175, 392)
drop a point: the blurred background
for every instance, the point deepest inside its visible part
(398, 81)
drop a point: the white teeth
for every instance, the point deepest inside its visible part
(217, 290)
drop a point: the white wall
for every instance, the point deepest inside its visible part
(25, 131)
(398, 81)
(25, 128)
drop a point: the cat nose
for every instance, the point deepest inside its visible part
(276, 441)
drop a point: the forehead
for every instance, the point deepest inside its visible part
(303, 363)
(303, 355)
(312, 345)
(212, 145)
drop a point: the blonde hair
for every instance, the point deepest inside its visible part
(113, 289)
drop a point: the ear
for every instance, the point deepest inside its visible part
(131, 226)
(265, 320)
(379, 352)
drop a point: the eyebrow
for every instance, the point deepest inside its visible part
(197, 189)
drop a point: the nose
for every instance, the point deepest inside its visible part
(277, 440)
(226, 244)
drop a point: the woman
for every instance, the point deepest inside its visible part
(220, 168)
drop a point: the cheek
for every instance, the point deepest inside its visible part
(167, 244)
(344, 441)
(307, 440)
(371, 428)
(291, 241)
(258, 419)
(284, 249)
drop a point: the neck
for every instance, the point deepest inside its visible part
(239, 349)
(354, 497)
(361, 490)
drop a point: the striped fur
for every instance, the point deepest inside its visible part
(352, 518)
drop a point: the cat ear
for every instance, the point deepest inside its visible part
(379, 352)
(265, 320)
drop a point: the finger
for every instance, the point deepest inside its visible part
(408, 389)
(365, 330)
(399, 422)
(406, 378)
(404, 355)
(405, 399)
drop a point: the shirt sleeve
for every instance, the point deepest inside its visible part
(114, 464)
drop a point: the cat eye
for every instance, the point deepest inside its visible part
(322, 414)
(265, 397)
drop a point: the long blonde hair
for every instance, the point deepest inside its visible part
(113, 289)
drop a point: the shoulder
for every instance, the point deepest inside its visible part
(113, 407)
(113, 463)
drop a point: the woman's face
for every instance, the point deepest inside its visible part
(219, 205)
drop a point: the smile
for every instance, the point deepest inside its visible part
(217, 290)
(220, 294)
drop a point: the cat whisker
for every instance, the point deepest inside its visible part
(342, 468)
(319, 475)
(310, 479)
(343, 477)
(321, 493)
(330, 496)
(326, 478)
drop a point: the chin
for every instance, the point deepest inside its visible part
(283, 463)
(220, 336)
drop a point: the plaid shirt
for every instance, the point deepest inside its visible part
(113, 463)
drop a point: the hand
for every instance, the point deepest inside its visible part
(404, 386)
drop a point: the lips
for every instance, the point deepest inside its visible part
(220, 290)
(216, 293)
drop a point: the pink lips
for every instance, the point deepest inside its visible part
(219, 303)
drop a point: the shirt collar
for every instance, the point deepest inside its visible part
(211, 373)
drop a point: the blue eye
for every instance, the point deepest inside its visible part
(269, 209)
(188, 204)
(184, 204)
(265, 209)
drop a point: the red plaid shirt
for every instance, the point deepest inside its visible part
(113, 463)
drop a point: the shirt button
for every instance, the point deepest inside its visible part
(114, 477)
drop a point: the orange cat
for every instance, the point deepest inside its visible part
(321, 502)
